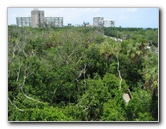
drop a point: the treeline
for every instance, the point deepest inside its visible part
(147, 35)
(77, 74)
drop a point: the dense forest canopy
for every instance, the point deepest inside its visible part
(81, 74)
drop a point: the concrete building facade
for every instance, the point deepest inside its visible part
(109, 23)
(53, 21)
(98, 21)
(23, 21)
(37, 19)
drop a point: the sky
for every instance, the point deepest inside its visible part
(124, 17)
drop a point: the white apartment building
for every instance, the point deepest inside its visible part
(98, 21)
(23, 21)
(108, 23)
(37, 19)
(53, 21)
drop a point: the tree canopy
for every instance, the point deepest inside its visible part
(81, 74)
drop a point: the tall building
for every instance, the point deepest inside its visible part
(53, 21)
(37, 18)
(109, 23)
(23, 21)
(98, 21)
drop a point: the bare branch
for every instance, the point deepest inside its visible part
(18, 72)
(29, 97)
(84, 74)
(79, 59)
(81, 72)
(55, 90)
(23, 83)
(15, 105)
(119, 72)
(13, 54)
(86, 109)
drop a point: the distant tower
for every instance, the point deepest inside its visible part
(98, 21)
(37, 18)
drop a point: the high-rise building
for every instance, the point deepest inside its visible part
(98, 21)
(37, 18)
(108, 23)
(23, 21)
(53, 21)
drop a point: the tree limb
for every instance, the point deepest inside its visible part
(23, 83)
(15, 105)
(119, 73)
(18, 72)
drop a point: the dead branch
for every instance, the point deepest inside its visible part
(15, 105)
(18, 72)
(23, 83)
(119, 73)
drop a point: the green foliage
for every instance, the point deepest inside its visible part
(114, 110)
(78, 74)
(37, 114)
(138, 34)
(112, 82)
(140, 106)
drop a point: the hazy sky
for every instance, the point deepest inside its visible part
(124, 17)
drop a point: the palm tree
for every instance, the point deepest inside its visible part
(110, 48)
